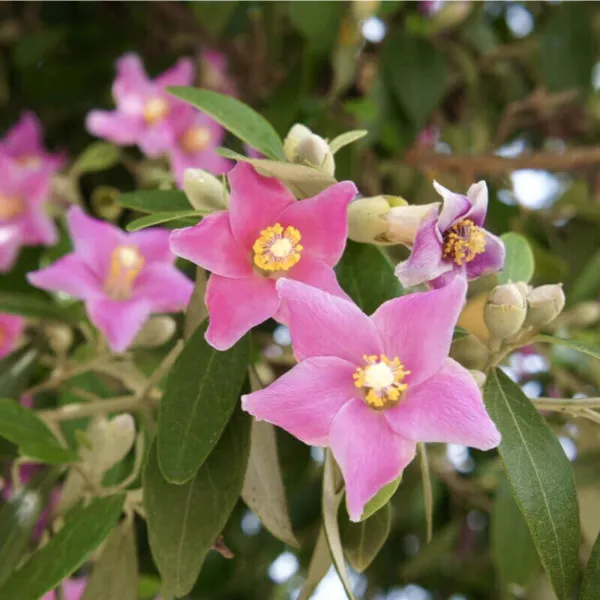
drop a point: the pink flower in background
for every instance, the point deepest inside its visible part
(453, 241)
(370, 388)
(122, 277)
(213, 73)
(23, 218)
(24, 143)
(72, 589)
(11, 329)
(265, 234)
(143, 108)
(195, 139)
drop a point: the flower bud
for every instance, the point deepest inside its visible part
(366, 220)
(296, 134)
(505, 310)
(60, 337)
(315, 151)
(404, 222)
(157, 330)
(204, 190)
(545, 304)
(479, 377)
(584, 314)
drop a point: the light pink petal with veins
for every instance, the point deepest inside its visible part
(164, 287)
(153, 244)
(115, 126)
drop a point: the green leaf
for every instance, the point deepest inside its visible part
(380, 499)
(333, 492)
(22, 427)
(187, 218)
(513, 549)
(317, 569)
(518, 264)
(363, 541)
(115, 574)
(541, 479)
(82, 533)
(236, 117)
(214, 16)
(15, 372)
(459, 333)
(591, 578)
(28, 305)
(344, 139)
(318, 22)
(98, 156)
(202, 389)
(151, 201)
(185, 520)
(367, 276)
(263, 490)
(587, 284)
(574, 345)
(416, 72)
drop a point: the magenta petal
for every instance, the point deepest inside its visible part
(237, 305)
(156, 139)
(305, 400)
(182, 73)
(11, 328)
(454, 207)
(478, 197)
(10, 243)
(255, 203)
(369, 453)
(489, 261)
(448, 407)
(208, 160)
(131, 84)
(25, 137)
(115, 126)
(325, 325)
(425, 261)
(164, 287)
(316, 273)
(153, 243)
(119, 321)
(38, 227)
(322, 221)
(418, 328)
(211, 245)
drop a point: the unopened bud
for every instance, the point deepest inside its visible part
(545, 304)
(204, 190)
(470, 352)
(315, 151)
(155, 332)
(479, 377)
(366, 220)
(296, 134)
(404, 222)
(583, 315)
(505, 311)
(60, 337)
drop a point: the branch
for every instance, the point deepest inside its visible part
(119, 404)
(566, 405)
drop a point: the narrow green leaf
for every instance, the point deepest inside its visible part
(98, 156)
(459, 333)
(263, 490)
(541, 479)
(590, 588)
(367, 276)
(28, 305)
(82, 533)
(236, 117)
(427, 490)
(151, 201)
(573, 344)
(185, 520)
(22, 427)
(344, 139)
(184, 218)
(587, 284)
(202, 389)
(318, 567)
(518, 264)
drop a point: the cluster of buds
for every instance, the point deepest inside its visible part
(304, 147)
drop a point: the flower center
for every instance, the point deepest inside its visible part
(155, 110)
(31, 161)
(125, 264)
(277, 249)
(463, 242)
(10, 207)
(196, 139)
(382, 380)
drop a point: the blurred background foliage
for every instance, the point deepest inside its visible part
(458, 91)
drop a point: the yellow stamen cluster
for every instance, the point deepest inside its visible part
(463, 242)
(382, 380)
(277, 249)
(125, 264)
(10, 207)
(155, 110)
(196, 139)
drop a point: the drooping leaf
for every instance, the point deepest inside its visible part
(98, 156)
(37, 307)
(83, 532)
(236, 117)
(518, 264)
(185, 520)
(263, 489)
(184, 218)
(591, 579)
(367, 276)
(318, 567)
(202, 389)
(151, 201)
(318, 22)
(380, 499)
(344, 139)
(541, 479)
(573, 344)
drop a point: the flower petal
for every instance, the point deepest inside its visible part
(305, 400)
(181, 73)
(211, 245)
(156, 139)
(37, 227)
(454, 208)
(237, 305)
(208, 160)
(131, 84)
(448, 407)
(11, 328)
(115, 126)
(369, 453)
(322, 221)
(164, 287)
(418, 328)
(154, 245)
(478, 196)
(317, 274)
(489, 261)
(255, 203)
(425, 262)
(25, 137)
(10, 243)
(325, 325)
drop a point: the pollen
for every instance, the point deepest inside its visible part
(196, 139)
(10, 207)
(155, 110)
(277, 249)
(382, 381)
(463, 242)
(126, 262)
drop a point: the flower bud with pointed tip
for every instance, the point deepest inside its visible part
(545, 304)
(366, 220)
(315, 151)
(404, 222)
(155, 332)
(204, 190)
(295, 135)
(505, 310)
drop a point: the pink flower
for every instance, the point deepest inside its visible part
(72, 588)
(23, 142)
(143, 106)
(121, 277)
(370, 388)
(213, 73)
(265, 234)
(453, 241)
(195, 139)
(11, 329)
(23, 219)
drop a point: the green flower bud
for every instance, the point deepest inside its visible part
(545, 304)
(60, 337)
(366, 220)
(582, 315)
(505, 310)
(204, 190)
(296, 134)
(314, 150)
(479, 377)
(157, 331)
(404, 222)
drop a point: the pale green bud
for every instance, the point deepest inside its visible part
(157, 330)
(204, 190)
(296, 134)
(404, 222)
(505, 310)
(479, 377)
(314, 150)
(545, 304)
(582, 315)
(366, 220)
(60, 337)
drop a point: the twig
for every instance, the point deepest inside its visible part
(565, 404)
(119, 404)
